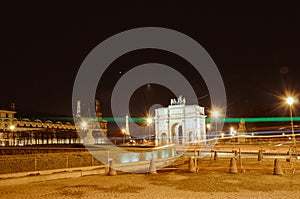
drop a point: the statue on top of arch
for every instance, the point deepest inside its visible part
(180, 101)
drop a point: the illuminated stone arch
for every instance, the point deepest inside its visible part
(183, 124)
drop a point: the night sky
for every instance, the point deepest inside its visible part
(256, 48)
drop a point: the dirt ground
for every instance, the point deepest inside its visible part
(212, 181)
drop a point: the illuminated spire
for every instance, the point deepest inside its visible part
(127, 126)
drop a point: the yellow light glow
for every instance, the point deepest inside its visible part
(290, 101)
(123, 130)
(231, 130)
(12, 127)
(84, 125)
(215, 113)
(208, 126)
(149, 120)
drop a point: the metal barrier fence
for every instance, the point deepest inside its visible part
(50, 161)
(24, 163)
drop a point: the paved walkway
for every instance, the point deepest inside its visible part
(205, 184)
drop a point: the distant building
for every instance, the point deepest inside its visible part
(18, 132)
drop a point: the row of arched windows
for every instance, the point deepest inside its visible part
(7, 122)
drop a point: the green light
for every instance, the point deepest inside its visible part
(257, 119)
(230, 120)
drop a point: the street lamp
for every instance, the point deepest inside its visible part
(216, 114)
(231, 131)
(149, 122)
(84, 125)
(123, 131)
(208, 126)
(290, 101)
(12, 128)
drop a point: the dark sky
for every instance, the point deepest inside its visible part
(256, 48)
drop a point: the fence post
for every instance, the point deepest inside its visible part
(195, 156)
(192, 168)
(260, 155)
(35, 163)
(112, 171)
(290, 155)
(277, 168)
(107, 157)
(216, 155)
(152, 167)
(232, 167)
(67, 161)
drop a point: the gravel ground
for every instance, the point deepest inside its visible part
(212, 181)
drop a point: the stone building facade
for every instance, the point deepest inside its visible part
(19, 132)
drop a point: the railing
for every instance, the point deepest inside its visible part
(37, 162)
(24, 163)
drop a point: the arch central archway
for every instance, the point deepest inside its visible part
(176, 133)
(163, 139)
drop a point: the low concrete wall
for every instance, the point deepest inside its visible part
(143, 166)
(38, 176)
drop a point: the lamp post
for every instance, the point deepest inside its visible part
(290, 101)
(83, 125)
(123, 131)
(215, 114)
(231, 131)
(149, 122)
(12, 128)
